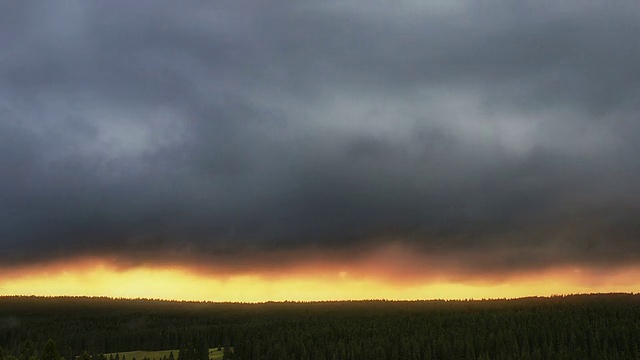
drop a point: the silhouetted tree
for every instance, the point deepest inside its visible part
(227, 352)
(50, 351)
(27, 350)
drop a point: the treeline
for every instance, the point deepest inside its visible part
(572, 327)
(102, 325)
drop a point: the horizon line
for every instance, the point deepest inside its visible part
(89, 297)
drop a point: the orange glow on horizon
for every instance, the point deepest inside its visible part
(99, 278)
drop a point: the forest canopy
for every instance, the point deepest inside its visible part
(562, 327)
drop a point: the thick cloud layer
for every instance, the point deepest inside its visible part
(225, 129)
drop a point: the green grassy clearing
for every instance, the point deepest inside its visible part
(214, 354)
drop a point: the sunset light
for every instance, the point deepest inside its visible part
(180, 283)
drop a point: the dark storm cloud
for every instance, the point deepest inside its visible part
(225, 127)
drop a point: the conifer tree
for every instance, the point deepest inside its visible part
(50, 351)
(27, 350)
(227, 353)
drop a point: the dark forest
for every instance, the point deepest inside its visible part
(561, 327)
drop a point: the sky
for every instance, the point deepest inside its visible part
(319, 150)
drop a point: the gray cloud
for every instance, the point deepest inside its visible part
(211, 128)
